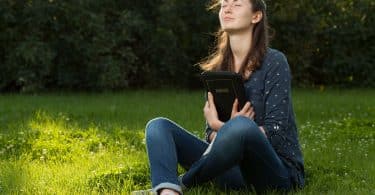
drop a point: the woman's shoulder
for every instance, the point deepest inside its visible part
(274, 59)
(274, 55)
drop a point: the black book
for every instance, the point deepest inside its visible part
(225, 87)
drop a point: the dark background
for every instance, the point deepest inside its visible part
(109, 45)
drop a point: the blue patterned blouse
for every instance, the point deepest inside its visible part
(269, 91)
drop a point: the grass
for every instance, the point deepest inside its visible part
(94, 143)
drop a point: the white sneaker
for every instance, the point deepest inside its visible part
(144, 192)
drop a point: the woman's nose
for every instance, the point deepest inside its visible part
(228, 9)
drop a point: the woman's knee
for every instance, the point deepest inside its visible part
(243, 126)
(155, 126)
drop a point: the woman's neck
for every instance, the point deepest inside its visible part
(240, 44)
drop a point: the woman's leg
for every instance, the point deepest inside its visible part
(231, 179)
(168, 144)
(240, 142)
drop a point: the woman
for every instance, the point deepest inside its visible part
(258, 147)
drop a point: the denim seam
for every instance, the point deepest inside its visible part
(180, 127)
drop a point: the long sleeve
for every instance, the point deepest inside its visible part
(269, 89)
(277, 100)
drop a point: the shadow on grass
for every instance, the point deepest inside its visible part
(338, 154)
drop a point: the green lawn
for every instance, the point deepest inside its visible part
(94, 143)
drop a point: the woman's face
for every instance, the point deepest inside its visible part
(235, 15)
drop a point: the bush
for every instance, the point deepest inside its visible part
(111, 45)
(327, 43)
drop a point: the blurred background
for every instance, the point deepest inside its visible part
(111, 45)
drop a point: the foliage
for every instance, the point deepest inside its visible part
(112, 45)
(327, 42)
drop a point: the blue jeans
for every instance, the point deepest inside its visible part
(240, 157)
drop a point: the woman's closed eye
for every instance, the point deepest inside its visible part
(226, 4)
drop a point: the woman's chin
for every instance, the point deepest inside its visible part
(236, 29)
(229, 29)
(232, 30)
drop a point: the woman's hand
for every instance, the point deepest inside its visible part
(210, 113)
(246, 111)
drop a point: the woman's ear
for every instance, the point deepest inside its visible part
(257, 16)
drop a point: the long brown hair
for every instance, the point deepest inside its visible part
(222, 57)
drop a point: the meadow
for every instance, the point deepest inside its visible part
(81, 143)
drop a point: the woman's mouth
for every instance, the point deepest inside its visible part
(228, 19)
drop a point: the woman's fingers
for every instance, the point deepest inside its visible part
(250, 113)
(235, 106)
(211, 103)
(205, 106)
(210, 99)
(210, 111)
(246, 107)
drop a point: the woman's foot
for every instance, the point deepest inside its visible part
(167, 191)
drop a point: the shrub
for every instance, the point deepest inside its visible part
(112, 45)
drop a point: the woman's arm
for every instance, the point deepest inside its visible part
(277, 98)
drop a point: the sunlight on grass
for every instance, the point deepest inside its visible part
(58, 156)
(82, 144)
(60, 140)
